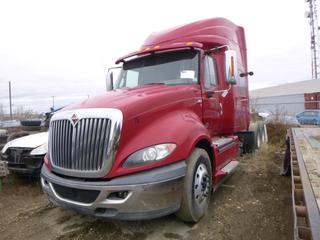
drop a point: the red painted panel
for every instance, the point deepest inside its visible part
(155, 114)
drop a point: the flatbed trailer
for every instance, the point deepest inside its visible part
(305, 172)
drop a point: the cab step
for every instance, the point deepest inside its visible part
(223, 174)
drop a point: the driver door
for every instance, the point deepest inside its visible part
(212, 109)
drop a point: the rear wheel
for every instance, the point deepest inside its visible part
(263, 132)
(260, 134)
(197, 187)
(256, 131)
(258, 139)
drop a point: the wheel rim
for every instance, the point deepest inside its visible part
(264, 138)
(258, 141)
(201, 185)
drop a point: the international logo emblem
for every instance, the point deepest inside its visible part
(74, 119)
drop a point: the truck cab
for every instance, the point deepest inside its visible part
(164, 135)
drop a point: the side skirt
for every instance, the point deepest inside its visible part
(225, 173)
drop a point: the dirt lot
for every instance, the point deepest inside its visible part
(255, 203)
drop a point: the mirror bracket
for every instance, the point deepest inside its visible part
(246, 74)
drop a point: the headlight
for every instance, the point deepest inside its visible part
(149, 155)
(41, 150)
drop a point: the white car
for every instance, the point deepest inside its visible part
(25, 154)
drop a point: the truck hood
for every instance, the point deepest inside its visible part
(139, 100)
(30, 141)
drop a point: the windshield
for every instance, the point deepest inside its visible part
(170, 68)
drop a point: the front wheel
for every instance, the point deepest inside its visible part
(197, 187)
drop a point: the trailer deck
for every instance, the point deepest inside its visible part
(305, 162)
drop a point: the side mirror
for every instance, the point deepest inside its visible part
(231, 66)
(112, 77)
(109, 80)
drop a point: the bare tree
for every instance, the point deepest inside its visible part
(21, 113)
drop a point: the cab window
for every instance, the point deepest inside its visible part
(210, 75)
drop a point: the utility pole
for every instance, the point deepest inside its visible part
(312, 15)
(10, 102)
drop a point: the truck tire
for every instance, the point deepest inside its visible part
(265, 133)
(30, 123)
(197, 187)
(258, 139)
(256, 131)
(260, 134)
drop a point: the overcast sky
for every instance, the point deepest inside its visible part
(62, 48)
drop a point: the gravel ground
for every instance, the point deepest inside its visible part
(255, 203)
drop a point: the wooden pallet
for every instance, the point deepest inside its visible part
(3, 169)
(3, 172)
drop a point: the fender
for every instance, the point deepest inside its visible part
(182, 127)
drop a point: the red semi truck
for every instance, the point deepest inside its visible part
(164, 136)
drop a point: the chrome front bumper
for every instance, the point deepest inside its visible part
(149, 194)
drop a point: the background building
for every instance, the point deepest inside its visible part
(290, 98)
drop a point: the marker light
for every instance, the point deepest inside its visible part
(232, 66)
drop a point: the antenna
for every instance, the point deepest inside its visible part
(312, 15)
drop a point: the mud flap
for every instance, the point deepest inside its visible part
(247, 140)
(253, 138)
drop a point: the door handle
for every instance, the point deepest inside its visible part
(210, 94)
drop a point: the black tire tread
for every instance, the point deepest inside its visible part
(186, 213)
(30, 123)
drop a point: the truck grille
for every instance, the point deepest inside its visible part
(82, 146)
